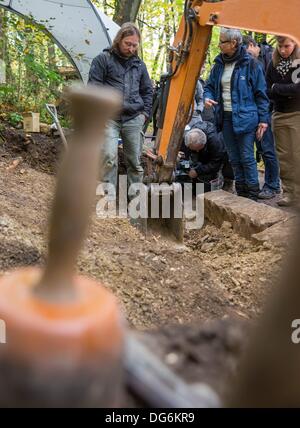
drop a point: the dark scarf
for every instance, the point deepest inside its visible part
(284, 66)
(239, 53)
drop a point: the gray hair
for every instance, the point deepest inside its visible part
(231, 34)
(195, 136)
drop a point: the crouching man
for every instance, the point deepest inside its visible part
(204, 156)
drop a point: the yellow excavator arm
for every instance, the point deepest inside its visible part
(188, 56)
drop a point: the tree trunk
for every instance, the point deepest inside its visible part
(51, 55)
(126, 11)
(160, 51)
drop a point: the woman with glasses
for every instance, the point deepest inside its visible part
(237, 90)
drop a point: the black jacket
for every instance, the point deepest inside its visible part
(208, 161)
(199, 101)
(129, 76)
(284, 93)
(265, 55)
(197, 123)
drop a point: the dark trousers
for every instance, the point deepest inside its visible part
(266, 148)
(240, 149)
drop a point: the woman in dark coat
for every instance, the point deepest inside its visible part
(283, 80)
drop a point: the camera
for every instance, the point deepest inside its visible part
(182, 171)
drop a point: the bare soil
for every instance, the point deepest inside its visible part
(209, 353)
(214, 275)
(37, 150)
(190, 303)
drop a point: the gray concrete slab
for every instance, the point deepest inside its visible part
(247, 217)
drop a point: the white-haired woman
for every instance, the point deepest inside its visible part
(283, 79)
(237, 89)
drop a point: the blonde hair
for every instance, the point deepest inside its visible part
(276, 54)
(127, 29)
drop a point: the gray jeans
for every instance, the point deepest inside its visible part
(132, 136)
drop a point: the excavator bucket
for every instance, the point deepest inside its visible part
(164, 213)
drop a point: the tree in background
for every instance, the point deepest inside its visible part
(158, 21)
(34, 63)
(126, 11)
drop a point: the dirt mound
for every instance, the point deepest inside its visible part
(39, 151)
(216, 274)
(14, 255)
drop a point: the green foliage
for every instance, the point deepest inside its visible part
(41, 70)
(6, 92)
(32, 65)
(158, 20)
(14, 118)
(33, 61)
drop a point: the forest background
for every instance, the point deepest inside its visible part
(33, 70)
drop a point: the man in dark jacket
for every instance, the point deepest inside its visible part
(121, 68)
(204, 152)
(266, 148)
(262, 52)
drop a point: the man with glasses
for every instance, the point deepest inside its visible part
(121, 68)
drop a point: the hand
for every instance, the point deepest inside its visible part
(151, 155)
(210, 103)
(193, 173)
(262, 127)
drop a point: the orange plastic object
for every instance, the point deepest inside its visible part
(66, 354)
(78, 330)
